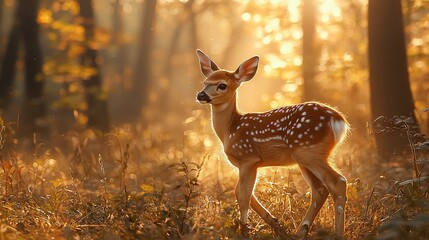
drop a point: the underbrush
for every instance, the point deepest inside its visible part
(137, 183)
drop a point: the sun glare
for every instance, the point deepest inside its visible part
(329, 8)
(278, 27)
(269, 28)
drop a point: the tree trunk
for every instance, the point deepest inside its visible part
(8, 70)
(309, 58)
(142, 70)
(170, 53)
(117, 26)
(25, 28)
(234, 40)
(1, 18)
(1, 14)
(389, 84)
(34, 101)
(193, 44)
(174, 40)
(97, 113)
(192, 25)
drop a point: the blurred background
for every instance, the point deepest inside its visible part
(130, 65)
(98, 110)
(76, 63)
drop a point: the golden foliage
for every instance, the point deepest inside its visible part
(44, 16)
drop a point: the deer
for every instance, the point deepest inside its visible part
(305, 134)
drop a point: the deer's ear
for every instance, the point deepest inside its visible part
(247, 69)
(206, 64)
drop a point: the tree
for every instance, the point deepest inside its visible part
(188, 17)
(309, 59)
(142, 70)
(8, 70)
(117, 31)
(97, 113)
(176, 35)
(1, 16)
(389, 84)
(25, 30)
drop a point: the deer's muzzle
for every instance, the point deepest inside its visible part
(202, 97)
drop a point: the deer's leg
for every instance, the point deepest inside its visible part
(255, 204)
(316, 162)
(336, 185)
(244, 191)
(262, 211)
(319, 193)
(266, 216)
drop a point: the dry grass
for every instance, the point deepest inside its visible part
(137, 183)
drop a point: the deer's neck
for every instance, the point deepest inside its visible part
(223, 116)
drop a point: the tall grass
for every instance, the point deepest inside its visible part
(150, 183)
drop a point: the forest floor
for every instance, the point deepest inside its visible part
(137, 183)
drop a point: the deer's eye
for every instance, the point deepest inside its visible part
(221, 87)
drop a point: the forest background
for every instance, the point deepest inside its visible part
(100, 134)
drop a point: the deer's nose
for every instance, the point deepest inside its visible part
(203, 97)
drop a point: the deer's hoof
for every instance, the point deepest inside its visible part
(278, 229)
(302, 232)
(281, 233)
(244, 229)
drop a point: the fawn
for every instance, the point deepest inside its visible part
(304, 134)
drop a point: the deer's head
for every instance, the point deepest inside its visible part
(220, 85)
